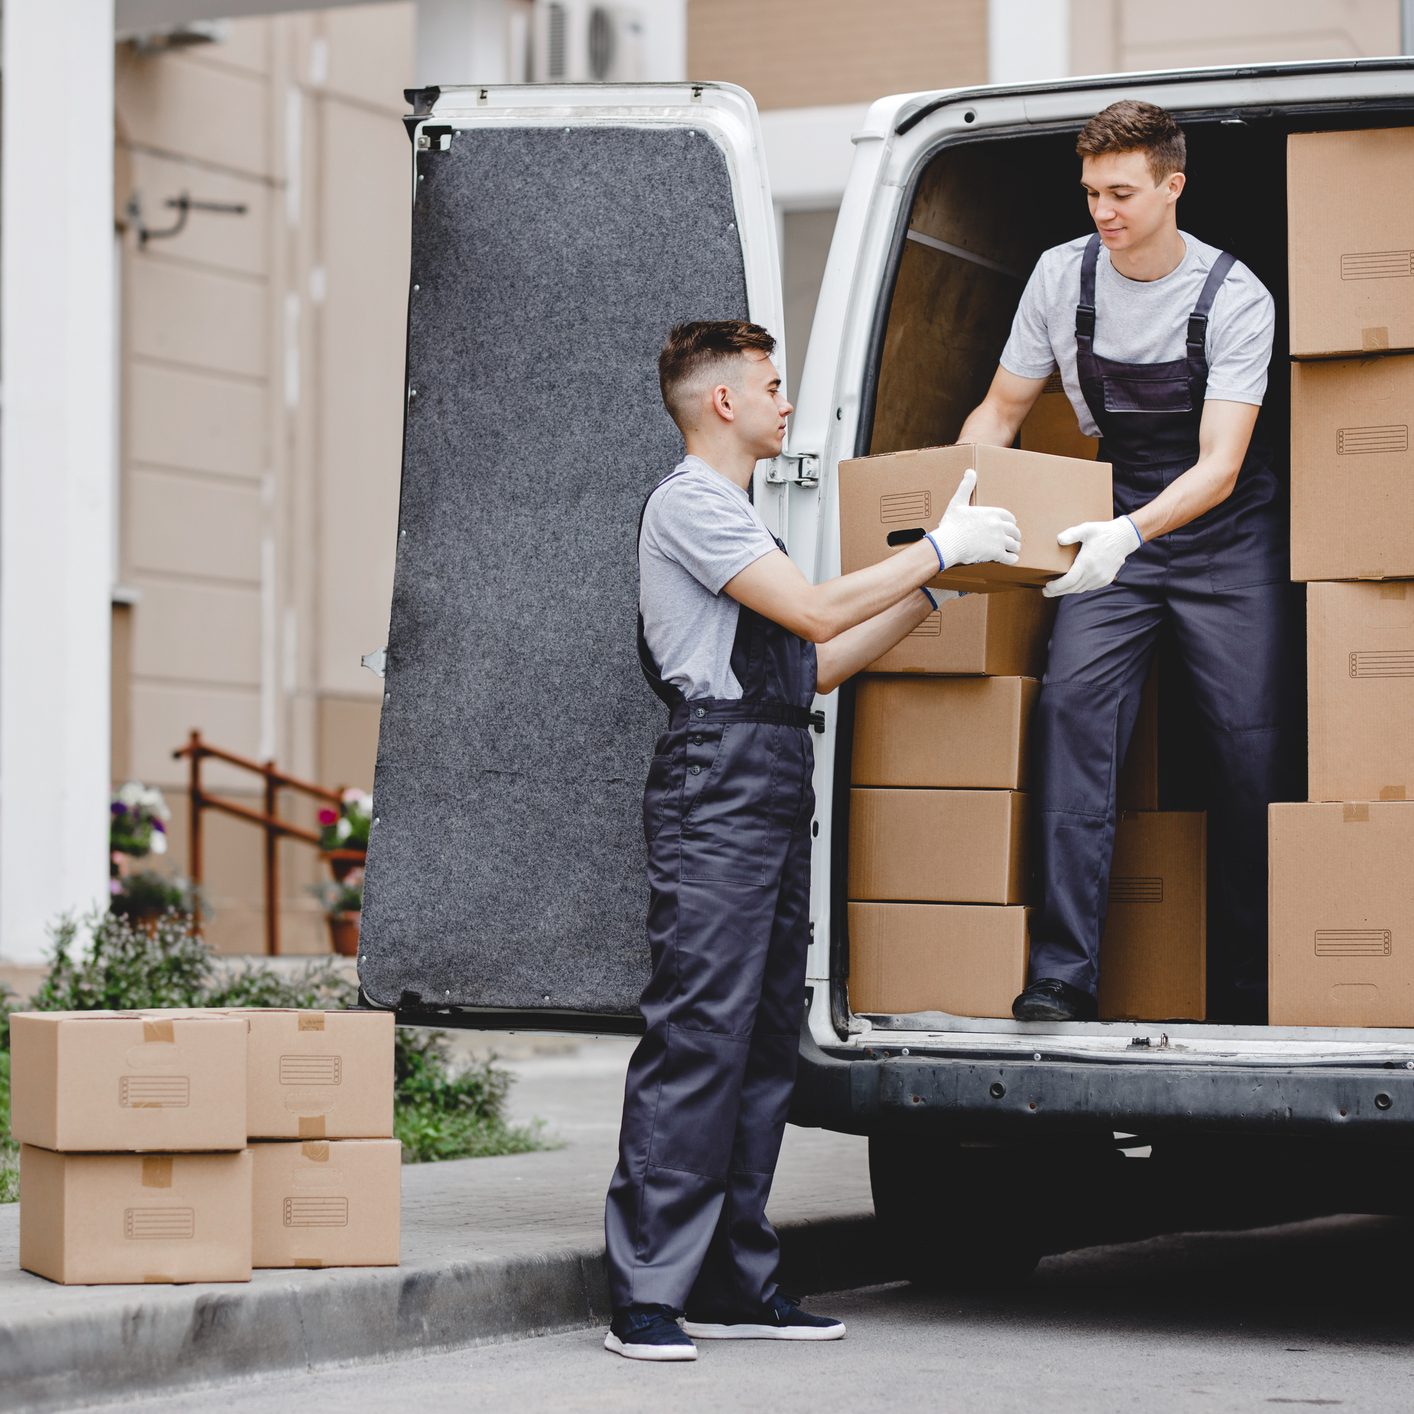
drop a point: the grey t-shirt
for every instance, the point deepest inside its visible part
(1143, 321)
(699, 531)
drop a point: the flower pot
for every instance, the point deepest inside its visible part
(342, 862)
(343, 930)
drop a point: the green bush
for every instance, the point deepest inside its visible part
(442, 1110)
(9, 1150)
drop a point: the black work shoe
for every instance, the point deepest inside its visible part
(1049, 999)
(780, 1318)
(648, 1333)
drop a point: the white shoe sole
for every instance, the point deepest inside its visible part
(649, 1352)
(699, 1330)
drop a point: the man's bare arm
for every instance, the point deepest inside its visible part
(776, 589)
(996, 420)
(1223, 437)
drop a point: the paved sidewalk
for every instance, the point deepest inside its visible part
(492, 1249)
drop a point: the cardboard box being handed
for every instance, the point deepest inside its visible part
(890, 501)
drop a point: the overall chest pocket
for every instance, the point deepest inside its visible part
(1147, 392)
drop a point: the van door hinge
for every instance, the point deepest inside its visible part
(794, 469)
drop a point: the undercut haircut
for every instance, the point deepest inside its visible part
(1132, 126)
(695, 353)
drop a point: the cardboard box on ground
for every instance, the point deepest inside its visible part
(99, 1218)
(326, 1203)
(889, 501)
(119, 1081)
(150, 1089)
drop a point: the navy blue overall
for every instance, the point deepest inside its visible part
(726, 813)
(1220, 584)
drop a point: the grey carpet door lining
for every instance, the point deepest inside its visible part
(506, 869)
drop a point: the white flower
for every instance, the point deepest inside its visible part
(159, 842)
(343, 829)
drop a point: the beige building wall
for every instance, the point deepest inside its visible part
(810, 53)
(261, 368)
(1116, 36)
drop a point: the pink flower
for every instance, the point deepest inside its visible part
(327, 816)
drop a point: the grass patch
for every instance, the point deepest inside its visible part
(442, 1108)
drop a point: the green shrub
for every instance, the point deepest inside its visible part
(9, 1150)
(442, 1110)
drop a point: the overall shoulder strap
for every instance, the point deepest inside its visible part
(1085, 310)
(1198, 320)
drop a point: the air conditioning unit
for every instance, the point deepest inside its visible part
(580, 41)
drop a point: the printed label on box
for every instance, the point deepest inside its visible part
(308, 1211)
(154, 1092)
(1353, 942)
(159, 1224)
(311, 1070)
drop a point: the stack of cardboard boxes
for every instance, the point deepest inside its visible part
(939, 874)
(1341, 886)
(187, 1145)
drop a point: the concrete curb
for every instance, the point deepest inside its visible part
(305, 1320)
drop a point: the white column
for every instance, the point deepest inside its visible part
(58, 384)
(462, 41)
(1028, 41)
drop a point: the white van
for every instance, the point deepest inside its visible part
(558, 232)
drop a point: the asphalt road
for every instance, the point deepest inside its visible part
(1311, 1315)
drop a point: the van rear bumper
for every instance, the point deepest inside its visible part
(862, 1092)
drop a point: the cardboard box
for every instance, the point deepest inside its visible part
(943, 732)
(968, 960)
(105, 1081)
(1352, 469)
(1051, 426)
(1154, 951)
(1350, 223)
(1360, 691)
(1341, 909)
(992, 635)
(1138, 785)
(890, 501)
(938, 846)
(89, 1218)
(326, 1203)
(319, 1074)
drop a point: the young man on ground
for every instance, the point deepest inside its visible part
(736, 642)
(1163, 344)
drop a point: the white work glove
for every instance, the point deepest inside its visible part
(1104, 547)
(967, 535)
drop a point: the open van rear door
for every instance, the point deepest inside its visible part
(557, 234)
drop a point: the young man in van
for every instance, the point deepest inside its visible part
(1163, 343)
(736, 642)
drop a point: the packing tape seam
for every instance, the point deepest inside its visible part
(157, 1171)
(1354, 812)
(157, 1031)
(311, 1021)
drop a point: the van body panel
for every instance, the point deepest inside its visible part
(862, 1073)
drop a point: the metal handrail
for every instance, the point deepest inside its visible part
(195, 752)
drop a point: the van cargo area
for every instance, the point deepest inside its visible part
(982, 210)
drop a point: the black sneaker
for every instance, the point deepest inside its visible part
(648, 1333)
(779, 1319)
(1049, 999)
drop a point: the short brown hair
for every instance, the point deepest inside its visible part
(1132, 126)
(692, 349)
